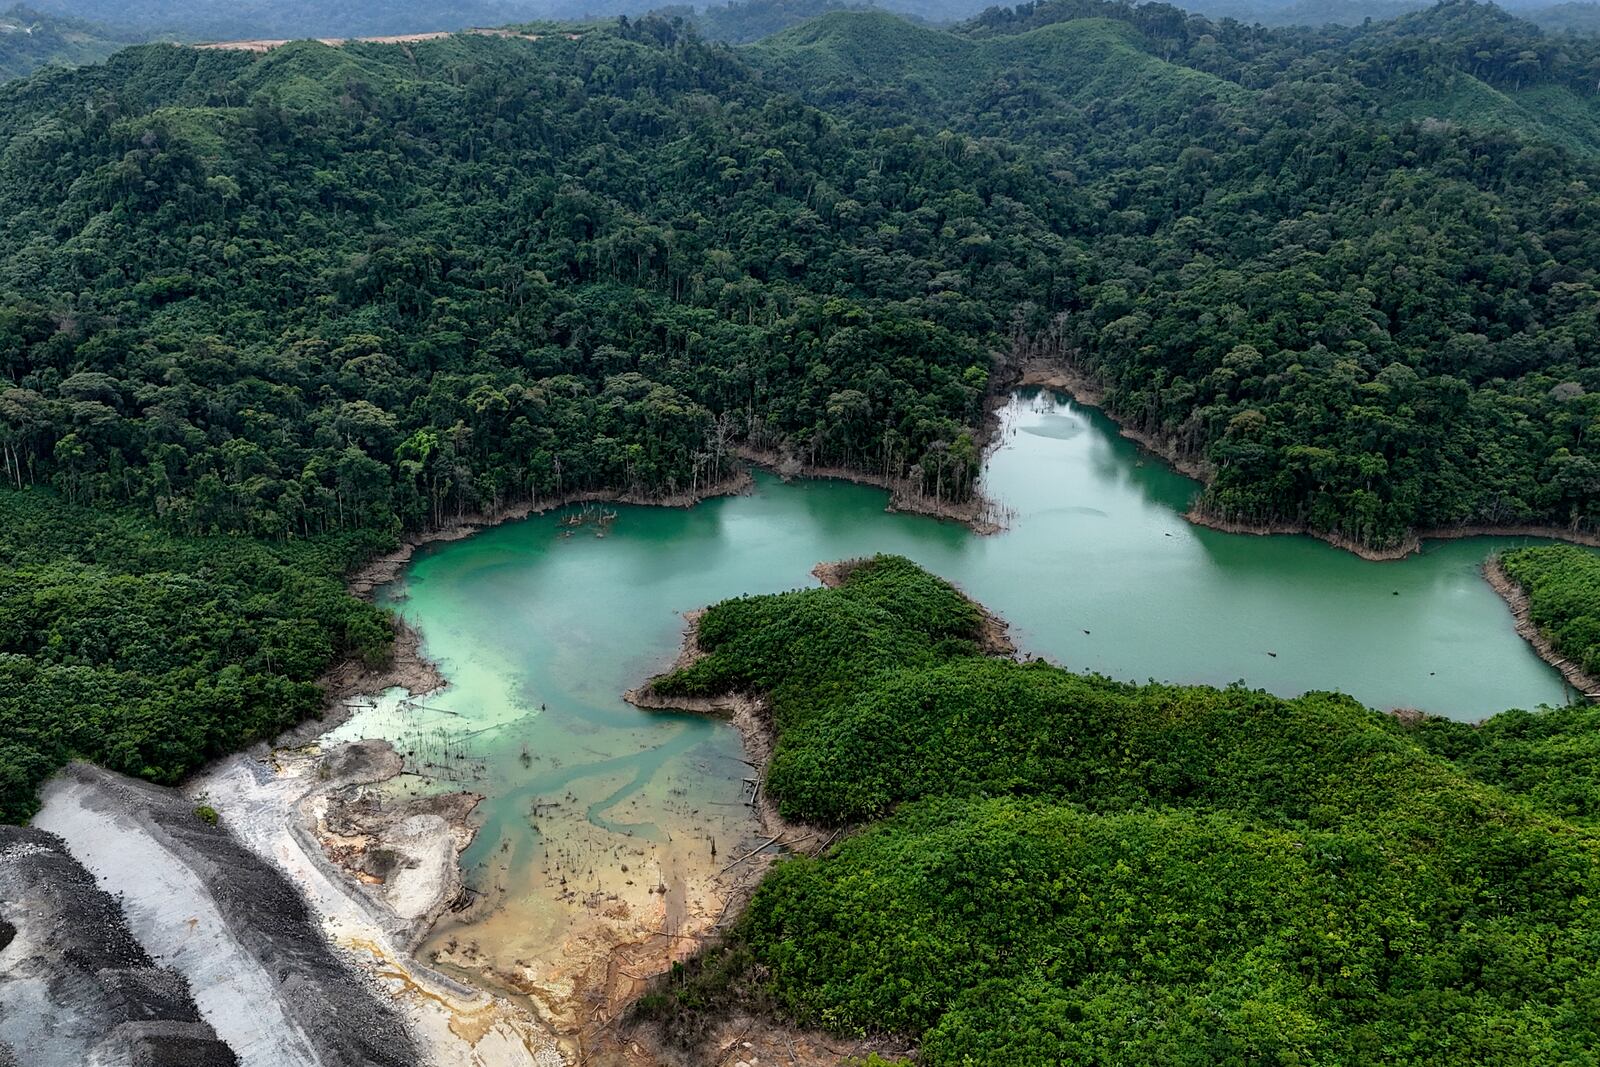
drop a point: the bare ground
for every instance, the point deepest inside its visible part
(262, 974)
(310, 816)
(1516, 599)
(76, 987)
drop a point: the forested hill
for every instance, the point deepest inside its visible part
(1039, 867)
(1299, 266)
(30, 40)
(367, 286)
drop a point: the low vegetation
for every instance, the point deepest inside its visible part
(1059, 868)
(150, 654)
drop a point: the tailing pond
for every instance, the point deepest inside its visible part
(596, 808)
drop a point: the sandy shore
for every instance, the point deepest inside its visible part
(1053, 375)
(1516, 599)
(379, 871)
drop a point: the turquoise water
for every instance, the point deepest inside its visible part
(540, 627)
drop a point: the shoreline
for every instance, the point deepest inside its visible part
(977, 513)
(1043, 374)
(750, 716)
(408, 668)
(1516, 599)
(285, 801)
(1048, 374)
(366, 578)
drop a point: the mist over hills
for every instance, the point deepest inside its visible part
(71, 32)
(30, 39)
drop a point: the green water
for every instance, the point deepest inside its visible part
(539, 629)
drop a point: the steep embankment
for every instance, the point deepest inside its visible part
(1554, 594)
(75, 986)
(229, 923)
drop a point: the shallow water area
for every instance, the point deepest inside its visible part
(605, 826)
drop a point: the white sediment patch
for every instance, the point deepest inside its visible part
(172, 914)
(455, 1025)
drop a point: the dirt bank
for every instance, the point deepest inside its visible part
(751, 716)
(75, 986)
(978, 513)
(1058, 376)
(1516, 599)
(318, 819)
(388, 567)
(744, 1039)
(1050, 374)
(407, 667)
(262, 975)
(262, 44)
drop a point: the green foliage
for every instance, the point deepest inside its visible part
(1060, 863)
(324, 289)
(206, 814)
(30, 40)
(1563, 587)
(1550, 757)
(150, 654)
(1285, 271)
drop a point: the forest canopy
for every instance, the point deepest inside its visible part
(1048, 863)
(314, 295)
(325, 289)
(150, 654)
(1563, 588)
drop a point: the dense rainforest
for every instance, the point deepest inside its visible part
(421, 269)
(1059, 868)
(1563, 587)
(327, 295)
(150, 654)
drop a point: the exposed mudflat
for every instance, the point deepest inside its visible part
(316, 818)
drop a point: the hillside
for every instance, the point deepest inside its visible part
(30, 40)
(1036, 83)
(1036, 864)
(370, 289)
(201, 20)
